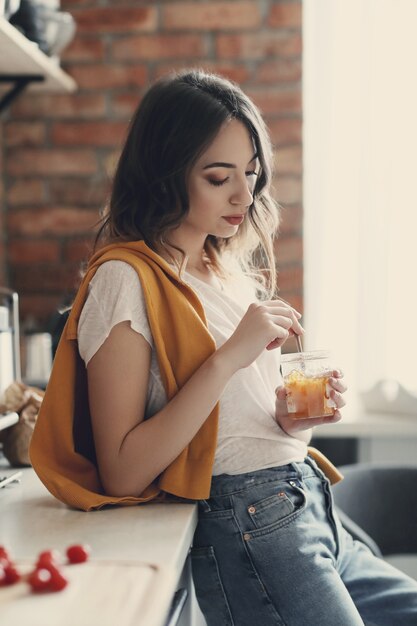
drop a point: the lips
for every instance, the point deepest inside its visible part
(235, 220)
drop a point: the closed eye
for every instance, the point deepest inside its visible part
(217, 183)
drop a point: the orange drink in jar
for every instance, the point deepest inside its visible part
(306, 380)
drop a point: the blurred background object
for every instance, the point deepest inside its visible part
(9, 338)
(382, 500)
(9, 8)
(42, 23)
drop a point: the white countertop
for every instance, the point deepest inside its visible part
(375, 425)
(31, 520)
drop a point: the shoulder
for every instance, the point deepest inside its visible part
(116, 285)
(114, 270)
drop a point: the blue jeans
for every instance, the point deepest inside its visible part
(270, 550)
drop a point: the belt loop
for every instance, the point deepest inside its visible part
(205, 506)
(297, 469)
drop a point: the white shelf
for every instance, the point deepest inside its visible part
(19, 56)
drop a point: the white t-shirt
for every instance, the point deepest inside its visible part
(248, 436)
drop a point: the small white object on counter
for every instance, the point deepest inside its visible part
(8, 419)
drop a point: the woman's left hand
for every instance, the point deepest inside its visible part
(292, 426)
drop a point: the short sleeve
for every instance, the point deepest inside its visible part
(115, 295)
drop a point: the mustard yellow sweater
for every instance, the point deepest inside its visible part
(62, 447)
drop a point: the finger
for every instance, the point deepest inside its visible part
(281, 402)
(337, 399)
(281, 302)
(294, 309)
(336, 417)
(337, 385)
(280, 314)
(289, 323)
(278, 341)
(337, 373)
(297, 330)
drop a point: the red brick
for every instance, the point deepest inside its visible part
(238, 73)
(271, 101)
(60, 106)
(288, 160)
(24, 133)
(46, 277)
(292, 295)
(258, 46)
(84, 49)
(26, 191)
(78, 250)
(115, 19)
(23, 251)
(211, 15)
(22, 161)
(38, 307)
(289, 251)
(285, 15)
(88, 133)
(101, 76)
(68, 5)
(158, 47)
(290, 281)
(278, 71)
(289, 190)
(285, 131)
(90, 192)
(124, 104)
(291, 220)
(52, 221)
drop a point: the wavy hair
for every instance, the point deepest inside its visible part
(176, 121)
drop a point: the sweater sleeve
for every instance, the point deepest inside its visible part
(115, 295)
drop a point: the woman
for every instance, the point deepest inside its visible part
(180, 334)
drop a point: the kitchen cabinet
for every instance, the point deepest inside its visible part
(23, 64)
(139, 557)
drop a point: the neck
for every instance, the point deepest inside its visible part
(196, 258)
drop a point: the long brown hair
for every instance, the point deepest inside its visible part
(175, 122)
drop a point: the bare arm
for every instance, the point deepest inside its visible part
(132, 452)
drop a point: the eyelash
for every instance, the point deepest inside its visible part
(219, 183)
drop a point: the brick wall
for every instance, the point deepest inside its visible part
(60, 150)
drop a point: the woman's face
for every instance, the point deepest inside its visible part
(221, 184)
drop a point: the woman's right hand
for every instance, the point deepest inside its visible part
(265, 325)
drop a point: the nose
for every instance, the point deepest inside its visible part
(242, 194)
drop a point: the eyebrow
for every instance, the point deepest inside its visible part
(228, 165)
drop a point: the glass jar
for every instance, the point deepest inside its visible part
(306, 380)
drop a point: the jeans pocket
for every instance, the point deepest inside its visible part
(209, 588)
(278, 508)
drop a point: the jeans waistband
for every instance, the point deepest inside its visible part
(226, 484)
